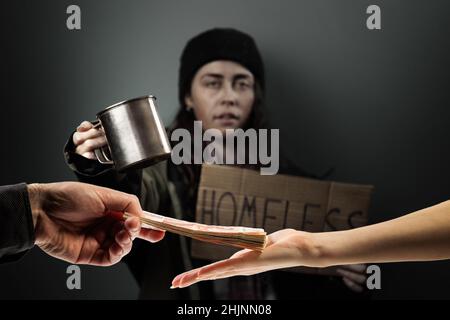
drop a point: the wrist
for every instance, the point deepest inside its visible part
(333, 248)
(316, 249)
(308, 249)
(35, 198)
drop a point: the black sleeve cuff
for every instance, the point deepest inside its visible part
(81, 165)
(16, 222)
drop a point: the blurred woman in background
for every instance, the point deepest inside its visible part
(222, 84)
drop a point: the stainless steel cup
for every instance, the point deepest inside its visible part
(135, 134)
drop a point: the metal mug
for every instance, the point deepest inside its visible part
(136, 137)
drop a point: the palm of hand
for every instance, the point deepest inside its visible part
(283, 250)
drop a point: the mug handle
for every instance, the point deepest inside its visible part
(101, 153)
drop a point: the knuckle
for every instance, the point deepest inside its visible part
(89, 144)
(79, 150)
(76, 138)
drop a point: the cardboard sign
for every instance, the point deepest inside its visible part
(234, 196)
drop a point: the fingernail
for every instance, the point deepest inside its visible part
(173, 287)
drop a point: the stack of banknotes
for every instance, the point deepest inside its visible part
(241, 237)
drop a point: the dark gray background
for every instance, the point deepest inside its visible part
(374, 104)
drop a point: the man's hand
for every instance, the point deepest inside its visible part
(73, 222)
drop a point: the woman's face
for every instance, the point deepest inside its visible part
(222, 95)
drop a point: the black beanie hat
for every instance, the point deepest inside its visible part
(218, 44)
